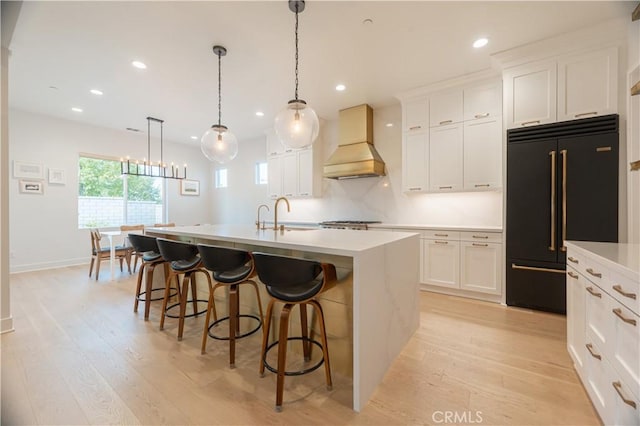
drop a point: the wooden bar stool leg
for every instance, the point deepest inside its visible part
(183, 303)
(255, 286)
(282, 353)
(266, 328)
(194, 293)
(210, 306)
(325, 347)
(304, 332)
(138, 288)
(165, 300)
(148, 287)
(233, 323)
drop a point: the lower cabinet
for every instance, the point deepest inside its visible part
(603, 335)
(462, 260)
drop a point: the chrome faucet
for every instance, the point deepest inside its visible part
(275, 211)
(258, 220)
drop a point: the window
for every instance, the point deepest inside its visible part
(221, 178)
(261, 173)
(107, 198)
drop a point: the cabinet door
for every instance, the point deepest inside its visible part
(445, 108)
(440, 263)
(274, 146)
(415, 161)
(416, 115)
(625, 340)
(481, 267)
(598, 383)
(274, 171)
(588, 84)
(289, 174)
(305, 172)
(482, 154)
(483, 101)
(445, 158)
(530, 94)
(576, 320)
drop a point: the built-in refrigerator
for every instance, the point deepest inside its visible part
(562, 184)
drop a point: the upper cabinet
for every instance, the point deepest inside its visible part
(415, 115)
(274, 146)
(445, 108)
(483, 101)
(566, 88)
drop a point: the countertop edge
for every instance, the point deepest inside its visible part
(600, 257)
(495, 229)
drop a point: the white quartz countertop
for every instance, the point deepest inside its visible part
(624, 258)
(332, 241)
(417, 227)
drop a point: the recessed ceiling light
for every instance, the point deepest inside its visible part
(138, 64)
(96, 92)
(76, 109)
(389, 124)
(481, 42)
(195, 138)
(340, 87)
(260, 113)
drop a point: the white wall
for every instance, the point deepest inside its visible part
(633, 133)
(44, 228)
(356, 199)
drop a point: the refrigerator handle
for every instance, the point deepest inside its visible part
(552, 247)
(564, 198)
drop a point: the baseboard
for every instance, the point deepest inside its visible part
(6, 325)
(15, 269)
(493, 298)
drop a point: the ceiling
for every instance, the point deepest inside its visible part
(77, 46)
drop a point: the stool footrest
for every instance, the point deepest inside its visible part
(142, 299)
(293, 373)
(238, 336)
(186, 316)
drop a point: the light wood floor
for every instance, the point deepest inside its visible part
(80, 355)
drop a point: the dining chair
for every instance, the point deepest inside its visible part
(137, 229)
(164, 225)
(99, 253)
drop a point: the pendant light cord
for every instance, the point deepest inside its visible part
(219, 90)
(296, 93)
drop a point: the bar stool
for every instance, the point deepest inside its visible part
(293, 281)
(184, 260)
(147, 249)
(230, 268)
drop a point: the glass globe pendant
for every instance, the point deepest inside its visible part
(218, 143)
(297, 125)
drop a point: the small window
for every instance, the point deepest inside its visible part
(221, 178)
(261, 173)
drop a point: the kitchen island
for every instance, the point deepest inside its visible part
(376, 297)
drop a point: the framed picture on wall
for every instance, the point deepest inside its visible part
(56, 176)
(189, 187)
(22, 169)
(31, 187)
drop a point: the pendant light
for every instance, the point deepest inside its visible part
(218, 143)
(297, 125)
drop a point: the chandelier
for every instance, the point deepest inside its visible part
(149, 168)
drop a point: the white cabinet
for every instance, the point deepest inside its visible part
(482, 162)
(305, 179)
(274, 172)
(294, 173)
(415, 115)
(445, 108)
(609, 366)
(530, 94)
(481, 267)
(289, 164)
(483, 101)
(415, 160)
(445, 158)
(274, 146)
(441, 262)
(564, 88)
(587, 84)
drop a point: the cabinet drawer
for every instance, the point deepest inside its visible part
(441, 235)
(598, 316)
(597, 380)
(624, 290)
(484, 237)
(625, 344)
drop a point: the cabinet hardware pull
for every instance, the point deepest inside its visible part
(595, 274)
(603, 149)
(530, 122)
(415, 127)
(552, 246)
(482, 185)
(582, 114)
(480, 244)
(593, 292)
(441, 242)
(534, 268)
(619, 289)
(618, 313)
(446, 187)
(564, 198)
(572, 275)
(446, 122)
(441, 235)
(483, 237)
(486, 114)
(593, 354)
(415, 188)
(573, 259)
(618, 387)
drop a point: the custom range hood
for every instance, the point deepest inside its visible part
(355, 157)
